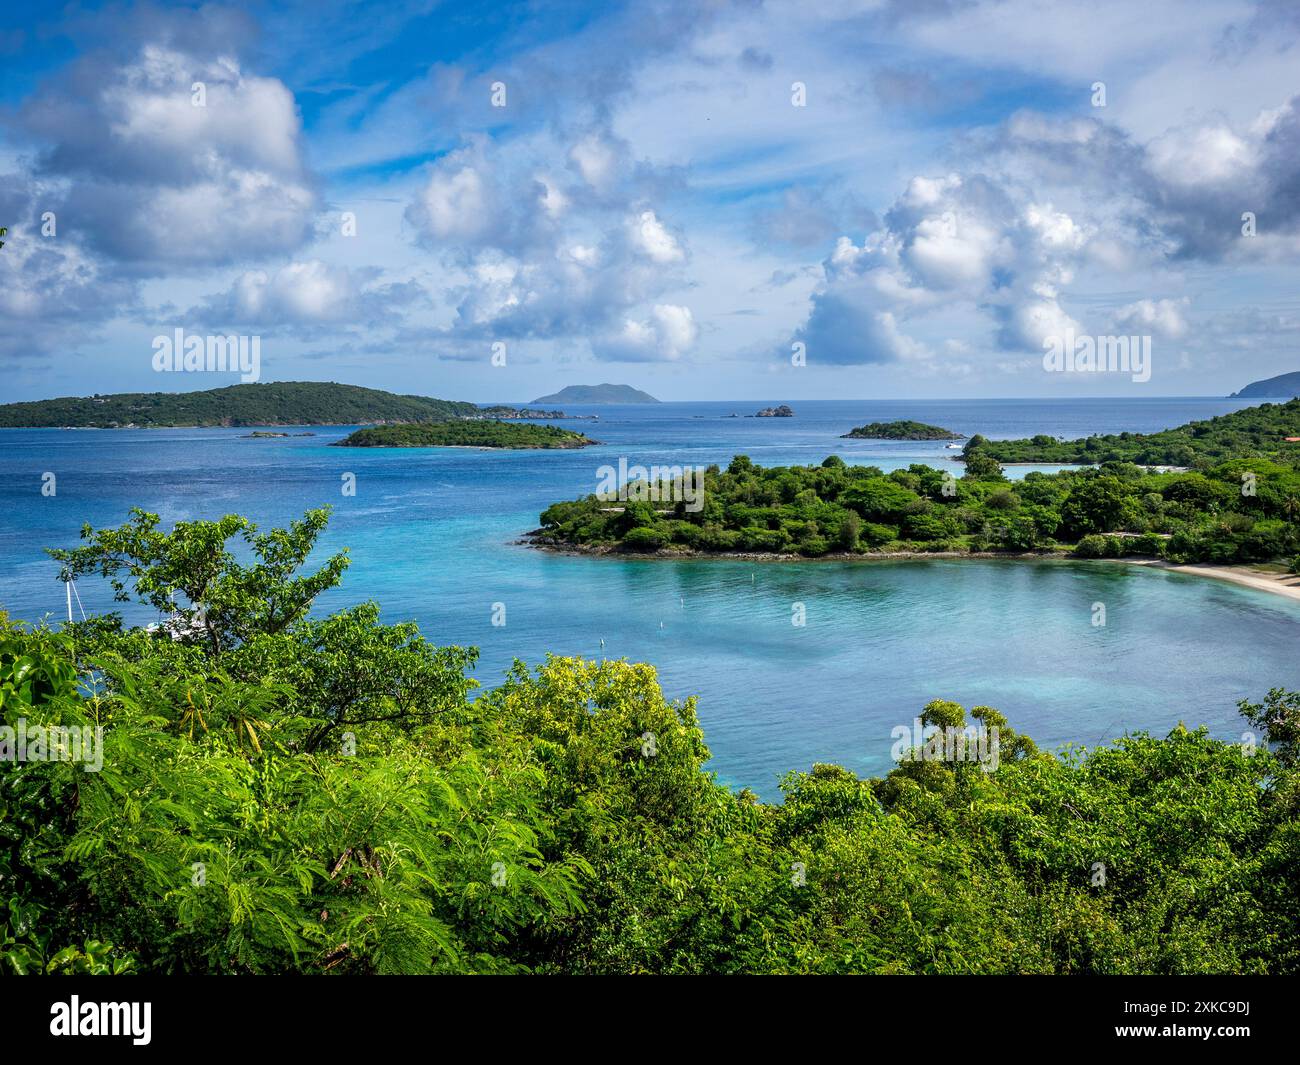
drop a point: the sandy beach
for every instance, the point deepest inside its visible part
(1287, 584)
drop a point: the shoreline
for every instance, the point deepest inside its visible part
(601, 551)
(469, 447)
(1284, 584)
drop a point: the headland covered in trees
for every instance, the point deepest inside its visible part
(1240, 504)
(270, 403)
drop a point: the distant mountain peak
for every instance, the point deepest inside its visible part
(598, 394)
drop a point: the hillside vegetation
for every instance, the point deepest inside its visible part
(273, 403)
(1245, 510)
(1256, 432)
(901, 430)
(286, 793)
(466, 434)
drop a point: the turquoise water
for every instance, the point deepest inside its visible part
(432, 533)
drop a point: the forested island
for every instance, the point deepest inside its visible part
(901, 430)
(273, 403)
(273, 791)
(1269, 431)
(1245, 510)
(466, 434)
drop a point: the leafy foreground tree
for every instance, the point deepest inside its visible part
(281, 793)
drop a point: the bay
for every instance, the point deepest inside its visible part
(432, 534)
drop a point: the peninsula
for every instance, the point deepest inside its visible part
(273, 403)
(1280, 387)
(1269, 431)
(1241, 505)
(277, 403)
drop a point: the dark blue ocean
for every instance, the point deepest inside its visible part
(432, 531)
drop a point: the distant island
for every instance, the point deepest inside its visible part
(1269, 431)
(598, 394)
(273, 403)
(525, 414)
(775, 412)
(1280, 387)
(466, 434)
(901, 430)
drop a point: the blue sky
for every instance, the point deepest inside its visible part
(670, 195)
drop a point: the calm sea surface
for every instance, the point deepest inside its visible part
(431, 534)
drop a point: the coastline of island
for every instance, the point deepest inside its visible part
(277, 404)
(1271, 582)
(478, 435)
(901, 430)
(1236, 507)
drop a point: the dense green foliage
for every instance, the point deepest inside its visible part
(1246, 510)
(288, 794)
(901, 430)
(1256, 432)
(466, 434)
(272, 403)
